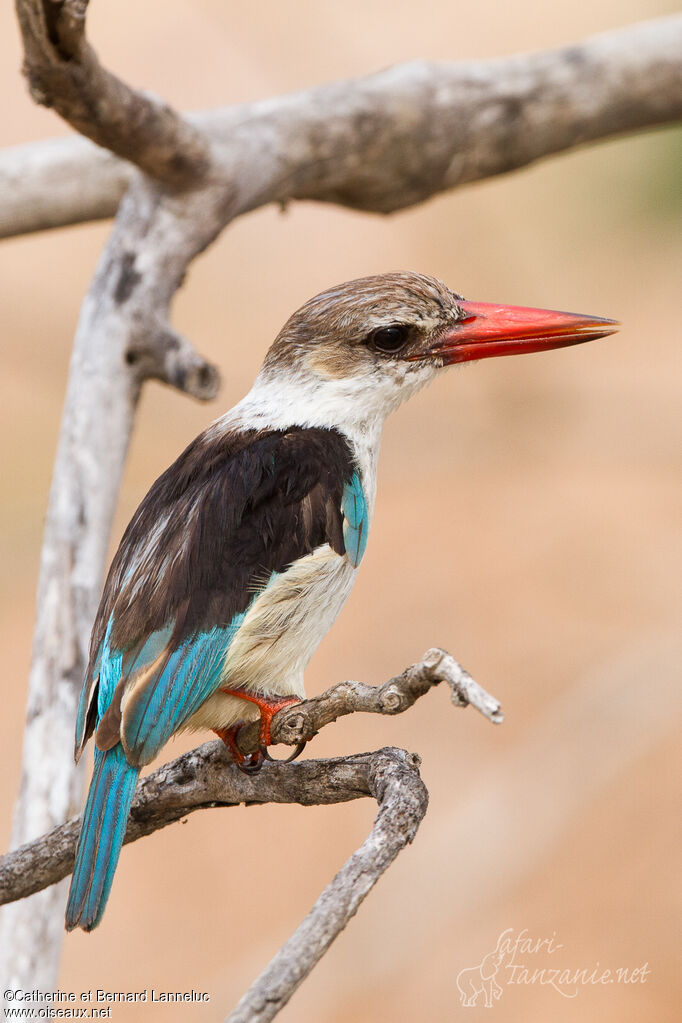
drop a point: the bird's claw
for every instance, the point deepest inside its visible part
(251, 763)
(286, 760)
(248, 763)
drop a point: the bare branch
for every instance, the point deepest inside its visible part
(58, 182)
(206, 777)
(389, 140)
(394, 781)
(63, 72)
(159, 353)
(395, 139)
(139, 271)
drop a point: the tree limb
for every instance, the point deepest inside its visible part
(58, 182)
(102, 394)
(122, 339)
(304, 720)
(63, 72)
(382, 142)
(393, 780)
(206, 776)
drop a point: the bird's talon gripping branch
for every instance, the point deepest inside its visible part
(287, 760)
(268, 708)
(252, 762)
(249, 763)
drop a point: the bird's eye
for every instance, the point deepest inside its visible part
(389, 339)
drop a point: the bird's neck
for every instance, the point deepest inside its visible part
(276, 402)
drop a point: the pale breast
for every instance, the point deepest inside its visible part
(280, 632)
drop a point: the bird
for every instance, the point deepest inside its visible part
(243, 552)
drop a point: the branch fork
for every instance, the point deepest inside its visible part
(206, 777)
(155, 351)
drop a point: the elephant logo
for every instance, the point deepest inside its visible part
(473, 981)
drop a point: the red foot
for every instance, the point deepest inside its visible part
(268, 708)
(250, 764)
(229, 737)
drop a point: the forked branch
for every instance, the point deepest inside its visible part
(393, 780)
(206, 777)
(302, 721)
(63, 72)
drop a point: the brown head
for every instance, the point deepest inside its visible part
(365, 346)
(409, 317)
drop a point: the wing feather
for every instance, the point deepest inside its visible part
(355, 519)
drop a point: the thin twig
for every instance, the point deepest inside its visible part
(300, 722)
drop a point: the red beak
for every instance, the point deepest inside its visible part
(488, 330)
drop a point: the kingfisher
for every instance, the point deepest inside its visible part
(243, 552)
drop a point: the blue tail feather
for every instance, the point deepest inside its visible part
(104, 826)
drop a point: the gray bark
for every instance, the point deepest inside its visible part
(382, 142)
(204, 777)
(118, 314)
(63, 72)
(394, 781)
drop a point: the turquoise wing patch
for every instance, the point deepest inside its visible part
(159, 704)
(355, 520)
(164, 686)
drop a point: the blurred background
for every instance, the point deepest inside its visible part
(525, 521)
